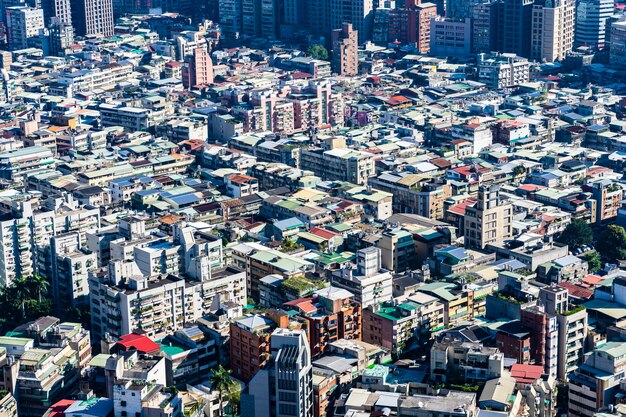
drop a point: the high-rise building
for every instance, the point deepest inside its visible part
(460, 9)
(617, 51)
(514, 26)
(572, 327)
(485, 26)
(425, 12)
(595, 387)
(544, 338)
(23, 23)
(360, 13)
(59, 9)
(198, 68)
(61, 37)
(502, 70)
(450, 37)
(487, 221)
(93, 17)
(345, 52)
(552, 35)
(286, 388)
(591, 22)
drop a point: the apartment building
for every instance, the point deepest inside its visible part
(593, 385)
(14, 163)
(502, 70)
(608, 196)
(464, 362)
(552, 34)
(30, 231)
(489, 220)
(331, 315)
(66, 263)
(572, 325)
(414, 193)
(100, 77)
(369, 282)
(261, 263)
(22, 25)
(345, 52)
(250, 345)
(340, 164)
(544, 338)
(394, 327)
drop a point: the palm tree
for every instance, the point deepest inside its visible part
(220, 380)
(38, 285)
(20, 289)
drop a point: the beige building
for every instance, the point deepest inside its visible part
(552, 34)
(345, 53)
(488, 221)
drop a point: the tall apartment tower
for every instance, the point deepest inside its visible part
(591, 22)
(617, 50)
(93, 17)
(22, 24)
(345, 50)
(552, 35)
(514, 26)
(359, 13)
(488, 221)
(59, 9)
(425, 12)
(461, 9)
(572, 328)
(293, 373)
(485, 27)
(286, 388)
(198, 68)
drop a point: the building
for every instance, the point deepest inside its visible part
(59, 9)
(485, 26)
(464, 362)
(450, 37)
(488, 221)
(608, 196)
(93, 17)
(544, 335)
(460, 9)
(398, 250)
(552, 35)
(23, 24)
(617, 49)
(425, 12)
(331, 315)
(345, 59)
(453, 404)
(514, 27)
(591, 22)
(360, 14)
(250, 345)
(502, 70)
(286, 388)
(394, 327)
(572, 325)
(594, 385)
(370, 283)
(198, 69)
(342, 164)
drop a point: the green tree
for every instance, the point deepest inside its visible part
(612, 242)
(220, 381)
(20, 292)
(37, 285)
(576, 234)
(318, 52)
(594, 261)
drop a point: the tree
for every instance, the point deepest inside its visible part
(576, 234)
(612, 242)
(220, 381)
(593, 260)
(37, 285)
(318, 52)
